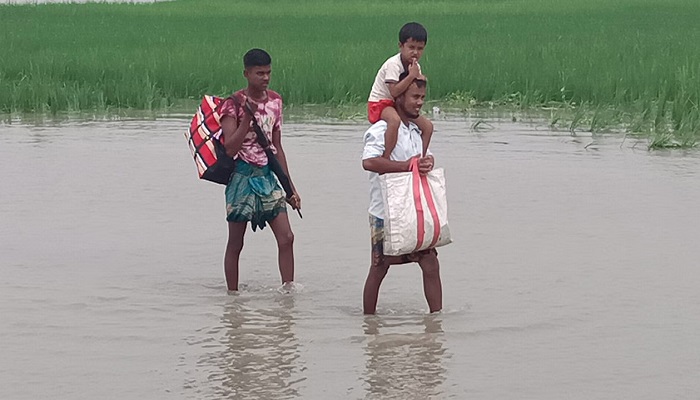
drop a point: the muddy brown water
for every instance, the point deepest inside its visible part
(573, 274)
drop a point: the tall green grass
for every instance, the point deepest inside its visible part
(638, 58)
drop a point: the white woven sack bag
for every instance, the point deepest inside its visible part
(415, 211)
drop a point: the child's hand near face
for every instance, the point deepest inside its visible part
(413, 69)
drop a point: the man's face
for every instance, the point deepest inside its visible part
(411, 50)
(411, 101)
(258, 77)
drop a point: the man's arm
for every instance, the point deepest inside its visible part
(234, 134)
(383, 165)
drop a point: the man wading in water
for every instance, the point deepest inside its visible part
(253, 193)
(408, 145)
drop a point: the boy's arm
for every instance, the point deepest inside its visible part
(233, 133)
(396, 88)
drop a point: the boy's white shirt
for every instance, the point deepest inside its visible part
(409, 144)
(389, 72)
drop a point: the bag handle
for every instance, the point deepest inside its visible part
(416, 183)
(419, 181)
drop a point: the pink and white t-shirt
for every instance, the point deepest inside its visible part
(269, 116)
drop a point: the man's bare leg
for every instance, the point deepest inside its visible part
(377, 272)
(374, 280)
(234, 245)
(285, 246)
(432, 285)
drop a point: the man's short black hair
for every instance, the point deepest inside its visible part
(256, 58)
(413, 30)
(421, 83)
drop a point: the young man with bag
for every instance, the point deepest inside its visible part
(253, 193)
(409, 145)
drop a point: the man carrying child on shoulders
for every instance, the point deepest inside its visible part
(409, 144)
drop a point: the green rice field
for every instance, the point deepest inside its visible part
(586, 65)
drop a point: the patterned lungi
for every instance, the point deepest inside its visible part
(253, 194)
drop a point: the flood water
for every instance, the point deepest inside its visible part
(573, 273)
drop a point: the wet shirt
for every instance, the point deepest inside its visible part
(269, 116)
(409, 144)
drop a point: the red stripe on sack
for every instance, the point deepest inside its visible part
(201, 168)
(207, 105)
(211, 124)
(208, 156)
(433, 210)
(208, 115)
(199, 137)
(194, 123)
(418, 203)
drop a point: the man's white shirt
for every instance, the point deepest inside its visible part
(409, 144)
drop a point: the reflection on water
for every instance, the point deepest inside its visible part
(404, 365)
(256, 354)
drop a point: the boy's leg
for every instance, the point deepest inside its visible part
(426, 128)
(392, 119)
(285, 246)
(234, 245)
(432, 285)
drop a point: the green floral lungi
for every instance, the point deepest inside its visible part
(253, 194)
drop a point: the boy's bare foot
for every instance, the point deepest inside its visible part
(290, 287)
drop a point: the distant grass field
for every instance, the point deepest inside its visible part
(596, 63)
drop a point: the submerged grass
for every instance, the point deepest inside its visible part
(596, 63)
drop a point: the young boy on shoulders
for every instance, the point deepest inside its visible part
(380, 105)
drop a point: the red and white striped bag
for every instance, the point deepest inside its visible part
(206, 142)
(415, 211)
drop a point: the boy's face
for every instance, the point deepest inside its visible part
(411, 50)
(258, 77)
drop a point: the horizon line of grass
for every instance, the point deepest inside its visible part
(639, 58)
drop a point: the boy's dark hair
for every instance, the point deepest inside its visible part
(421, 83)
(256, 58)
(413, 30)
